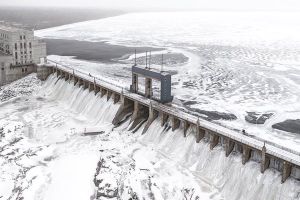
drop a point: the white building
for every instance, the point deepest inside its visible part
(20, 52)
(22, 45)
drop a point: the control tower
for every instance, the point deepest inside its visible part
(150, 74)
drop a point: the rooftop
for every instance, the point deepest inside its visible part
(10, 28)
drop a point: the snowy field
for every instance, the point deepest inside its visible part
(245, 64)
(44, 154)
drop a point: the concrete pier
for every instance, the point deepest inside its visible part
(103, 92)
(175, 122)
(265, 160)
(286, 171)
(186, 126)
(200, 132)
(246, 154)
(109, 94)
(96, 89)
(164, 118)
(153, 114)
(214, 140)
(125, 110)
(229, 145)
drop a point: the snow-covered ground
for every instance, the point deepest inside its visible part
(238, 62)
(44, 154)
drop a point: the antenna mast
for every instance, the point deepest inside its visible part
(135, 57)
(150, 60)
(162, 63)
(146, 58)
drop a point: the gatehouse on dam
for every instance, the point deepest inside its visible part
(143, 109)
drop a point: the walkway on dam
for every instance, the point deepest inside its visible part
(274, 150)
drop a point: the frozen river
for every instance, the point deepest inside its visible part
(245, 64)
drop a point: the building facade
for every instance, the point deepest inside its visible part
(20, 52)
(5, 60)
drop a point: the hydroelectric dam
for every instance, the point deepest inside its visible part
(143, 109)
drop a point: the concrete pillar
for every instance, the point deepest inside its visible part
(286, 171)
(97, 89)
(140, 114)
(116, 97)
(75, 80)
(265, 160)
(109, 93)
(91, 87)
(136, 108)
(152, 116)
(85, 84)
(135, 83)
(200, 132)
(66, 76)
(61, 74)
(175, 123)
(95, 85)
(214, 140)
(148, 87)
(186, 126)
(125, 110)
(70, 78)
(229, 145)
(246, 154)
(80, 82)
(163, 117)
(103, 92)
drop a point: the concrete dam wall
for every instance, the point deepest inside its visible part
(143, 113)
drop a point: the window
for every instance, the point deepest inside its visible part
(25, 69)
(16, 55)
(2, 68)
(16, 46)
(20, 37)
(24, 37)
(24, 45)
(21, 45)
(30, 45)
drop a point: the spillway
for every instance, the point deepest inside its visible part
(226, 177)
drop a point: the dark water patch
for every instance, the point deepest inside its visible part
(40, 99)
(258, 118)
(290, 125)
(94, 133)
(188, 103)
(92, 51)
(213, 115)
(26, 108)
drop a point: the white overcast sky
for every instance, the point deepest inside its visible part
(164, 4)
